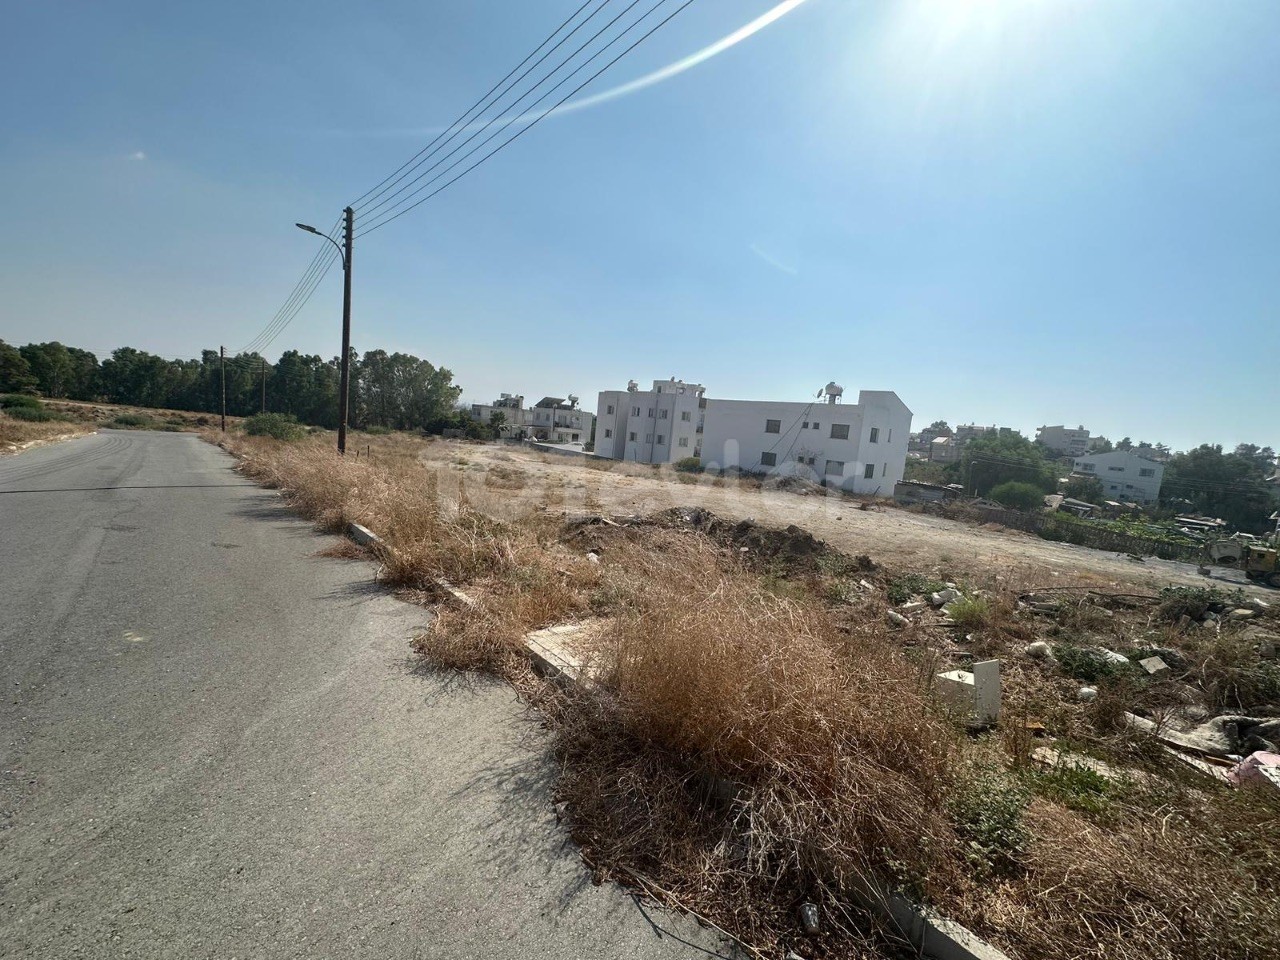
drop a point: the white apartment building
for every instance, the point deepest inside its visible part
(1125, 476)
(859, 447)
(662, 425)
(1064, 441)
(553, 419)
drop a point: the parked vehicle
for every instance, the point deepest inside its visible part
(1258, 563)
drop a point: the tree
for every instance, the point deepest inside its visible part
(1018, 495)
(1100, 445)
(1124, 444)
(940, 428)
(50, 364)
(1225, 485)
(15, 372)
(1088, 489)
(993, 459)
(497, 420)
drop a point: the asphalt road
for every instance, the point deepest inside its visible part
(214, 743)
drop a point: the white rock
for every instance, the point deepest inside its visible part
(1087, 693)
(1154, 666)
(1242, 613)
(1040, 649)
(895, 617)
(943, 597)
(913, 605)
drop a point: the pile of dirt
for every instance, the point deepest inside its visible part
(794, 548)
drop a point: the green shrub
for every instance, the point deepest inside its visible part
(1089, 665)
(281, 426)
(11, 401)
(1195, 602)
(970, 613)
(377, 430)
(33, 414)
(131, 421)
(1019, 496)
(1074, 785)
(987, 807)
(689, 465)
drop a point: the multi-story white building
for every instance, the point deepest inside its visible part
(552, 419)
(1125, 476)
(1064, 441)
(661, 425)
(860, 447)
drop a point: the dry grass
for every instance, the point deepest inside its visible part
(14, 433)
(720, 668)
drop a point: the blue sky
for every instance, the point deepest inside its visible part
(1007, 211)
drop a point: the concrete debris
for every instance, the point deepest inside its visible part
(913, 606)
(1242, 613)
(1219, 736)
(897, 618)
(865, 586)
(1040, 649)
(593, 557)
(1257, 604)
(1110, 656)
(976, 695)
(943, 597)
(1155, 666)
(1086, 694)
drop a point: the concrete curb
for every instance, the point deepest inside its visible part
(363, 535)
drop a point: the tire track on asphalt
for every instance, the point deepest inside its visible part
(109, 447)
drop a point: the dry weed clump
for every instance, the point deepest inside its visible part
(15, 432)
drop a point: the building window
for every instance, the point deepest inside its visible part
(773, 426)
(1146, 471)
(609, 408)
(661, 439)
(662, 414)
(768, 459)
(648, 438)
(1088, 467)
(651, 413)
(816, 424)
(684, 441)
(1116, 469)
(835, 468)
(889, 437)
(875, 435)
(632, 436)
(573, 436)
(805, 426)
(607, 433)
(635, 411)
(869, 472)
(685, 415)
(884, 469)
(840, 431)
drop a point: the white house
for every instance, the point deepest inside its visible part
(551, 418)
(860, 447)
(1125, 476)
(661, 425)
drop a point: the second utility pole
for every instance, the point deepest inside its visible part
(222, 363)
(349, 220)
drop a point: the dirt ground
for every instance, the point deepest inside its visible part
(897, 538)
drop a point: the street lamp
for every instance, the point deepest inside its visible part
(344, 251)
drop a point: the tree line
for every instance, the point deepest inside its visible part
(1208, 480)
(397, 391)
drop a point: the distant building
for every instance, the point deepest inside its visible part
(973, 431)
(944, 450)
(1064, 441)
(553, 419)
(1124, 475)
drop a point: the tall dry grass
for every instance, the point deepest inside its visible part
(14, 433)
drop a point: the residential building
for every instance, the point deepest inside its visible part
(661, 425)
(1064, 441)
(553, 419)
(859, 447)
(1125, 476)
(944, 450)
(972, 431)
(557, 420)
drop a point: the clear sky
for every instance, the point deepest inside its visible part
(1008, 211)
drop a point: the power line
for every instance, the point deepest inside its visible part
(511, 106)
(523, 130)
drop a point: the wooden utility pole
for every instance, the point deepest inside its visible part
(222, 362)
(264, 384)
(349, 236)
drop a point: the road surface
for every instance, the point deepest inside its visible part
(214, 743)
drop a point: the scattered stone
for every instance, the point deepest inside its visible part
(1185, 622)
(1242, 613)
(865, 586)
(809, 918)
(593, 557)
(1154, 666)
(1267, 649)
(1259, 605)
(1086, 694)
(912, 606)
(1040, 649)
(943, 597)
(1110, 656)
(899, 619)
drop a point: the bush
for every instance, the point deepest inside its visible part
(1019, 496)
(11, 401)
(281, 426)
(131, 420)
(1195, 602)
(1088, 665)
(988, 807)
(904, 588)
(970, 613)
(689, 465)
(377, 430)
(35, 414)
